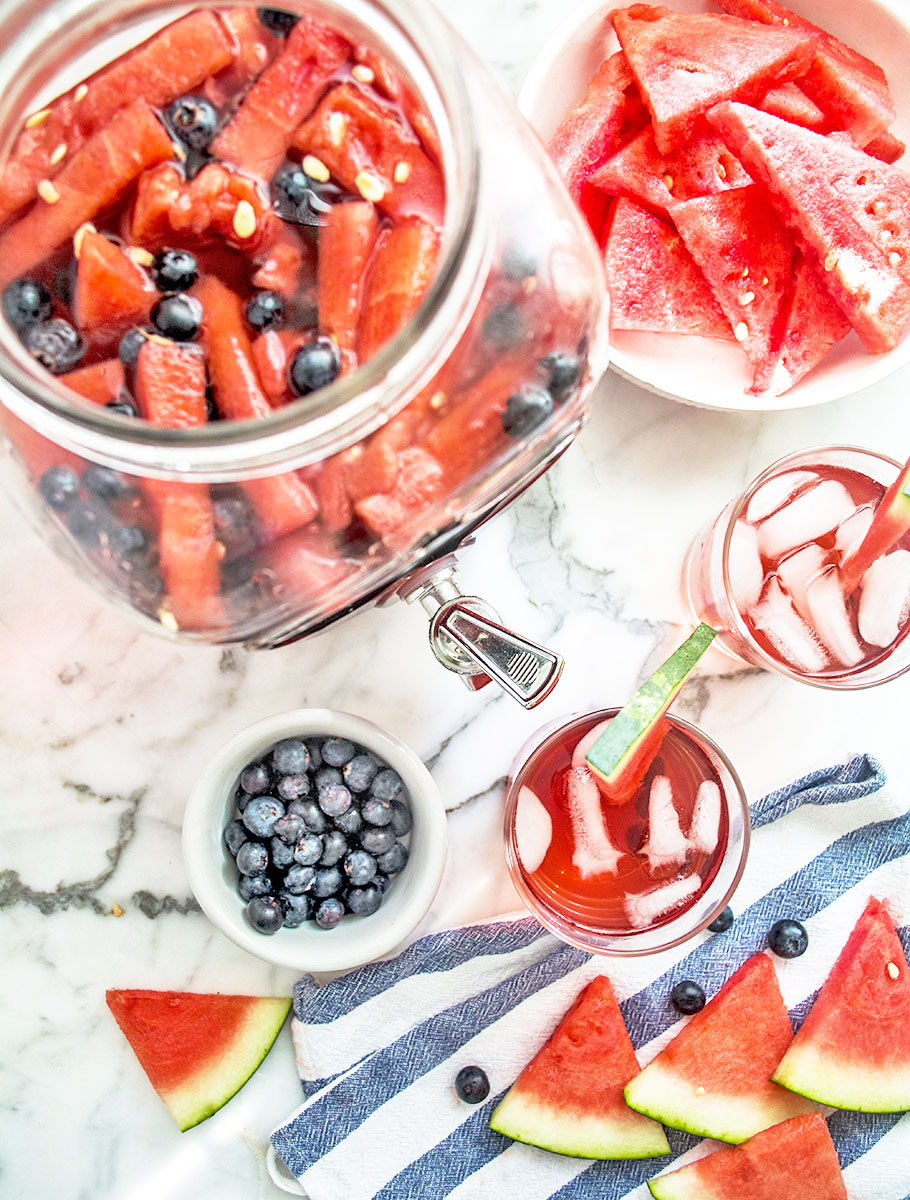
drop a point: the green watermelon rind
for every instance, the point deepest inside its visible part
(575, 1134)
(855, 1088)
(672, 1187)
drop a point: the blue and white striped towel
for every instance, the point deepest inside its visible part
(378, 1049)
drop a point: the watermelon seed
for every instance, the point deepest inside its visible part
(369, 186)
(315, 168)
(741, 332)
(831, 261)
(894, 970)
(747, 298)
(699, 1091)
(244, 219)
(721, 170)
(894, 258)
(402, 171)
(48, 192)
(81, 93)
(668, 180)
(362, 73)
(338, 124)
(59, 154)
(37, 118)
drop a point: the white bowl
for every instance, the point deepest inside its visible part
(704, 371)
(355, 940)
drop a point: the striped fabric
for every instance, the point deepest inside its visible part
(378, 1049)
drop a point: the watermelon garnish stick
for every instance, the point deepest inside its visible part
(890, 523)
(624, 751)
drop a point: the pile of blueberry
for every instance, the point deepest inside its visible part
(318, 833)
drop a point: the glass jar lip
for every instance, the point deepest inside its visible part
(806, 456)
(309, 428)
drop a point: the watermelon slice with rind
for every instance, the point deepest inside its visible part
(713, 1079)
(889, 524)
(853, 1049)
(654, 282)
(850, 211)
(569, 1097)
(795, 1158)
(197, 1050)
(684, 63)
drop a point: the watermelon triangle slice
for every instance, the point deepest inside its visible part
(853, 1049)
(713, 1079)
(112, 291)
(684, 63)
(789, 102)
(794, 1158)
(569, 1097)
(850, 210)
(198, 1050)
(654, 283)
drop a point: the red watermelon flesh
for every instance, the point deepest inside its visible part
(684, 63)
(699, 168)
(853, 1049)
(789, 102)
(886, 146)
(197, 1050)
(569, 1097)
(714, 1078)
(112, 291)
(809, 324)
(851, 211)
(653, 280)
(795, 1158)
(890, 523)
(746, 254)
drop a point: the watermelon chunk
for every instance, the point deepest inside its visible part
(653, 280)
(569, 1097)
(90, 181)
(789, 102)
(890, 523)
(886, 146)
(746, 254)
(853, 1049)
(713, 1079)
(401, 272)
(418, 484)
(197, 1050)
(346, 242)
(850, 210)
(112, 291)
(794, 1158)
(271, 353)
(684, 63)
(101, 382)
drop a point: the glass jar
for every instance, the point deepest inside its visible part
(518, 281)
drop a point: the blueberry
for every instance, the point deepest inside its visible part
(252, 858)
(125, 407)
(363, 900)
(359, 772)
(328, 777)
(177, 317)
(299, 879)
(26, 302)
(242, 799)
(722, 921)
(255, 779)
(314, 366)
(55, 344)
(265, 914)
(359, 866)
(313, 816)
(329, 913)
(281, 853)
(377, 841)
(472, 1085)
(387, 785)
(504, 326)
(234, 836)
(350, 821)
(329, 880)
(687, 996)
(293, 787)
(277, 21)
(337, 751)
(255, 885)
(562, 373)
(335, 847)
(175, 270)
(88, 523)
(107, 484)
(526, 410)
(260, 815)
(314, 749)
(376, 811)
(334, 799)
(193, 120)
(290, 187)
(59, 486)
(296, 909)
(289, 828)
(130, 545)
(235, 523)
(308, 849)
(290, 757)
(401, 818)
(302, 200)
(788, 939)
(382, 882)
(265, 311)
(130, 345)
(394, 860)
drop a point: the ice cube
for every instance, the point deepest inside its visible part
(704, 832)
(813, 513)
(666, 842)
(594, 852)
(584, 745)
(746, 571)
(885, 601)
(851, 532)
(533, 829)
(797, 571)
(787, 632)
(827, 613)
(775, 493)
(645, 907)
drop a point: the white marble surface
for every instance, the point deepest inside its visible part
(103, 729)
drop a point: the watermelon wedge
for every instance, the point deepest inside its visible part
(653, 280)
(101, 382)
(890, 523)
(197, 1050)
(853, 1049)
(851, 212)
(112, 291)
(345, 245)
(789, 102)
(569, 1097)
(401, 272)
(713, 1079)
(684, 63)
(794, 1158)
(624, 751)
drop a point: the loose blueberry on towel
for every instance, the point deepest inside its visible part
(788, 939)
(722, 921)
(472, 1085)
(688, 997)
